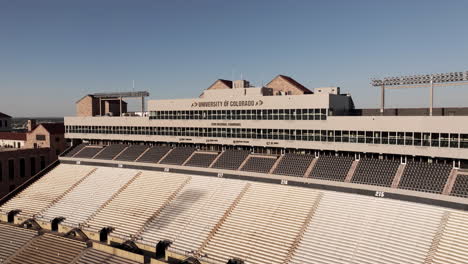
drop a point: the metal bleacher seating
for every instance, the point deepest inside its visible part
(460, 187)
(46, 190)
(231, 159)
(259, 164)
(75, 150)
(294, 164)
(88, 152)
(375, 172)
(201, 159)
(154, 154)
(110, 151)
(128, 212)
(132, 153)
(332, 168)
(86, 198)
(344, 229)
(190, 217)
(425, 177)
(264, 234)
(178, 155)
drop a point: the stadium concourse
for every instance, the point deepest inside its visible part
(98, 214)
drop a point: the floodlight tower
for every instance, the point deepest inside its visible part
(417, 81)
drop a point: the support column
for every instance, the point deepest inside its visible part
(382, 99)
(100, 107)
(431, 98)
(142, 105)
(120, 101)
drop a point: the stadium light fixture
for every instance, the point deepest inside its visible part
(417, 81)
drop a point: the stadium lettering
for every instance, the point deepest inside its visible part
(227, 103)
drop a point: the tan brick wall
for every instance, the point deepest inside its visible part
(56, 142)
(218, 85)
(87, 106)
(281, 85)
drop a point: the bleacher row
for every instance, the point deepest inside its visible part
(217, 219)
(417, 176)
(21, 245)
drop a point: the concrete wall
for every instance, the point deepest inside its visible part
(435, 124)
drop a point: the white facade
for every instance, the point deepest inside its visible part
(296, 122)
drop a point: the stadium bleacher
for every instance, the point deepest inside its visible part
(272, 227)
(356, 229)
(425, 177)
(154, 154)
(178, 155)
(110, 151)
(218, 219)
(133, 207)
(48, 249)
(132, 153)
(75, 150)
(47, 190)
(331, 168)
(231, 159)
(460, 187)
(259, 164)
(88, 152)
(12, 239)
(86, 198)
(294, 164)
(201, 159)
(188, 219)
(93, 256)
(375, 172)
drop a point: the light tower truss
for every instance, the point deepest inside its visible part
(418, 81)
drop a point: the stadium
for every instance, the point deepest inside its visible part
(272, 174)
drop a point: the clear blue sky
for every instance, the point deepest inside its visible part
(54, 52)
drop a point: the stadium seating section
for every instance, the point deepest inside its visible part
(48, 249)
(154, 154)
(231, 159)
(178, 156)
(97, 189)
(375, 172)
(12, 239)
(294, 164)
(217, 219)
(75, 150)
(201, 160)
(460, 187)
(88, 152)
(132, 153)
(110, 151)
(425, 177)
(259, 164)
(332, 168)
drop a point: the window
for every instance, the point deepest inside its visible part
(11, 169)
(40, 137)
(22, 168)
(43, 162)
(32, 162)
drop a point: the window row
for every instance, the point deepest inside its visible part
(346, 136)
(255, 114)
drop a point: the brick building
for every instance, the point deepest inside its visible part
(5, 122)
